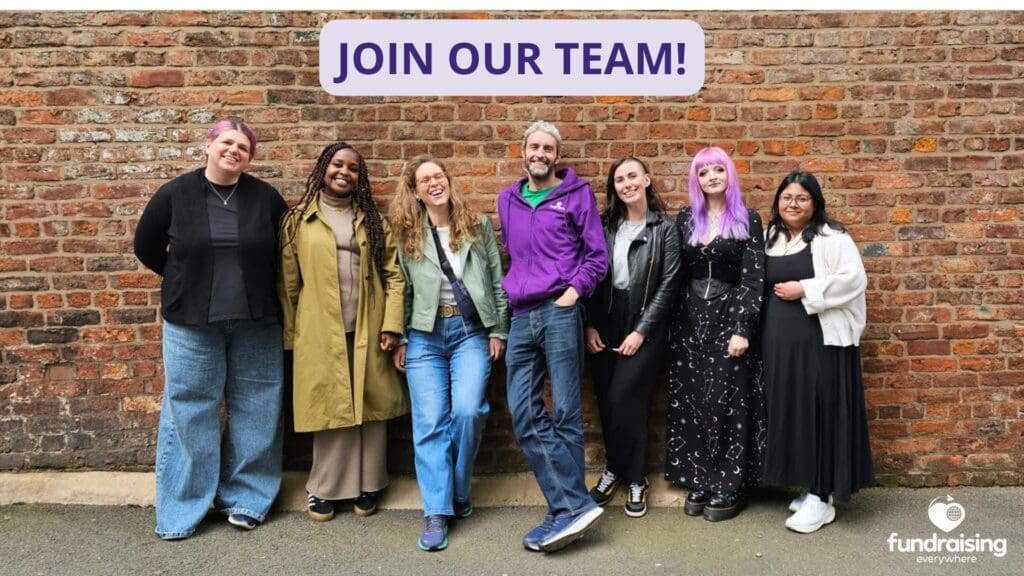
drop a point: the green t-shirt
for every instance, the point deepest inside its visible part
(535, 197)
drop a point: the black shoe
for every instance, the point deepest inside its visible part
(695, 502)
(319, 509)
(605, 489)
(723, 506)
(366, 504)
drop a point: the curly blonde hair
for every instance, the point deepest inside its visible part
(408, 214)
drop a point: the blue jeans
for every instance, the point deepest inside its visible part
(239, 471)
(447, 370)
(550, 337)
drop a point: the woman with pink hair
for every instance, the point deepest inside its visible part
(211, 234)
(715, 415)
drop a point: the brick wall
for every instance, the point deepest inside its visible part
(912, 119)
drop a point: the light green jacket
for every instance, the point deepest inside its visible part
(481, 273)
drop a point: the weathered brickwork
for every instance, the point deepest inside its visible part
(914, 121)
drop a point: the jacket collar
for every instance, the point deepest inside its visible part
(430, 248)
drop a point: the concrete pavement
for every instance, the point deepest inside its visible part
(54, 539)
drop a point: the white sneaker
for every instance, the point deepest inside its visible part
(812, 515)
(797, 502)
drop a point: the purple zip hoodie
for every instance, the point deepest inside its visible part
(557, 244)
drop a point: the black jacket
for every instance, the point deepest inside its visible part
(653, 276)
(173, 240)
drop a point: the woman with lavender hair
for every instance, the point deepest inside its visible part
(715, 415)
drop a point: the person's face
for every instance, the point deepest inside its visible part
(713, 179)
(342, 173)
(540, 155)
(631, 184)
(228, 152)
(796, 206)
(432, 185)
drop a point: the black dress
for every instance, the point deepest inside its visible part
(817, 430)
(715, 419)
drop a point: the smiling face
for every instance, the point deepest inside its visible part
(713, 179)
(796, 206)
(631, 184)
(342, 173)
(228, 154)
(540, 155)
(432, 186)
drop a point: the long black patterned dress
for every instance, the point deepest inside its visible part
(716, 423)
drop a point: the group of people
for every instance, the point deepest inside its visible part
(759, 330)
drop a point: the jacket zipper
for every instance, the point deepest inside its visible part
(650, 270)
(707, 289)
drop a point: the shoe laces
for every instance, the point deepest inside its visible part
(435, 523)
(636, 491)
(606, 481)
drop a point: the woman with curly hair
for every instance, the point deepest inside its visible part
(456, 319)
(342, 294)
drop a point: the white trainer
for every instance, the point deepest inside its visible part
(812, 515)
(797, 502)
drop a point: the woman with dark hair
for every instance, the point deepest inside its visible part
(342, 293)
(628, 325)
(715, 414)
(448, 254)
(813, 319)
(212, 235)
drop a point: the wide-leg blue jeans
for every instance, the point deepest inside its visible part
(238, 470)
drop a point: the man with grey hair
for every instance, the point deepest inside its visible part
(557, 252)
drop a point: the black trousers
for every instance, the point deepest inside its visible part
(625, 386)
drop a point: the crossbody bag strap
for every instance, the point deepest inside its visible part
(442, 257)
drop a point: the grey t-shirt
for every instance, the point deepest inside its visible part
(228, 300)
(620, 255)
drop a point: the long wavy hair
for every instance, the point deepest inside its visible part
(408, 214)
(819, 218)
(735, 220)
(614, 209)
(362, 200)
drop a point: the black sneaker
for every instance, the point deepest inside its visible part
(607, 484)
(366, 504)
(462, 509)
(243, 521)
(319, 509)
(636, 502)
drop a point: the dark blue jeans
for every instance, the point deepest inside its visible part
(550, 339)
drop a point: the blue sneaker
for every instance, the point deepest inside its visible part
(533, 538)
(462, 509)
(243, 521)
(567, 530)
(435, 533)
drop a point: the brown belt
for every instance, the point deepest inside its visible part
(448, 310)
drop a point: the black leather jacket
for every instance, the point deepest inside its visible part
(653, 277)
